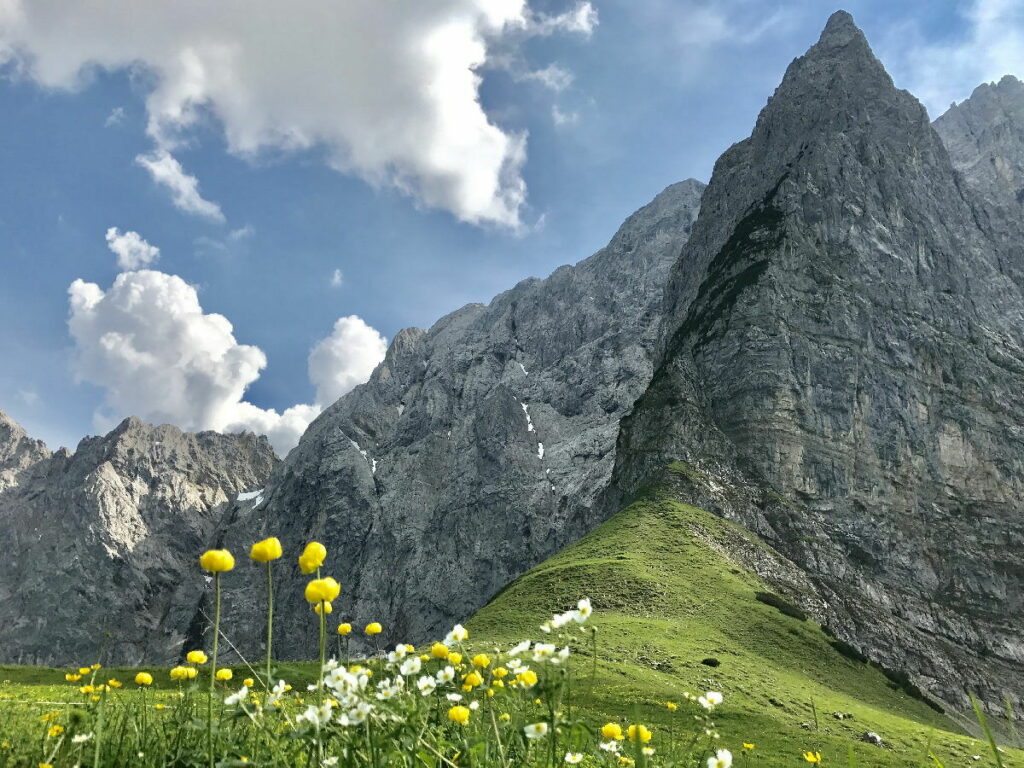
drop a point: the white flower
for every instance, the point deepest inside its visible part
(573, 757)
(583, 610)
(457, 635)
(543, 651)
(355, 716)
(474, 705)
(446, 675)
(559, 620)
(316, 716)
(426, 684)
(329, 762)
(562, 655)
(546, 627)
(276, 693)
(454, 697)
(411, 666)
(235, 698)
(520, 648)
(722, 759)
(514, 665)
(710, 700)
(647, 751)
(610, 746)
(536, 731)
(80, 738)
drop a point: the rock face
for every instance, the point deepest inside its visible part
(476, 449)
(845, 342)
(985, 139)
(101, 545)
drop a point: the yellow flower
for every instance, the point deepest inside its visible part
(482, 660)
(191, 672)
(45, 765)
(490, 692)
(94, 667)
(179, 673)
(747, 746)
(159, 706)
(72, 677)
(612, 731)
(497, 683)
(114, 683)
(459, 714)
(266, 550)
(327, 607)
(143, 678)
(95, 698)
(455, 657)
(439, 651)
(55, 731)
(345, 629)
(626, 761)
(504, 717)
(322, 590)
(473, 679)
(373, 628)
(224, 674)
(196, 657)
(527, 678)
(83, 670)
(671, 706)
(639, 733)
(500, 672)
(248, 682)
(87, 689)
(312, 557)
(812, 757)
(216, 561)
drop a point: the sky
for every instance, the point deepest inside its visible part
(217, 215)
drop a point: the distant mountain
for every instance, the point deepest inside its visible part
(101, 545)
(843, 365)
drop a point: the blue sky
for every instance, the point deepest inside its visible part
(658, 90)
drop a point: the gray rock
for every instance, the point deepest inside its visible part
(101, 545)
(477, 448)
(845, 348)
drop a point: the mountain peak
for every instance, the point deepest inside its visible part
(840, 30)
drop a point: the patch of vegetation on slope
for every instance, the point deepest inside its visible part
(670, 601)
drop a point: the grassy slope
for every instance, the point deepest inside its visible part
(666, 598)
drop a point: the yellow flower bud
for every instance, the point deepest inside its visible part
(504, 717)
(345, 629)
(266, 550)
(196, 657)
(94, 667)
(612, 731)
(83, 670)
(639, 733)
(217, 561)
(114, 683)
(439, 651)
(143, 678)
(191, 672)
(312, 557)
(327, 607)
(459, 714)
(671, 706)
(373, 628)
(224, 674)
(322, 590)
(248, 682)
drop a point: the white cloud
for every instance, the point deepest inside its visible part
(387, 90)
(337, 278)
(562, 119)
(553, 76)
(990, 45)
(184, 189)
(345, 359)
(156, 354)
(132, 251)
(116, 117)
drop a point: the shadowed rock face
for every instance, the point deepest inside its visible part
(101, 545)
(477, 448)
(845, 333)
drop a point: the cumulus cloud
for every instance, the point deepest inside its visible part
(387, 90)
(345, 359)
(991, 44)
(147, 342)
(184, 188)
(132, 251)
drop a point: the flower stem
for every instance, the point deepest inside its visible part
(213, 667)
(270, 615)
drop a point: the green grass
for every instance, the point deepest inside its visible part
(667, 595)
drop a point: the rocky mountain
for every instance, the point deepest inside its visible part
(101, 544)
(477, 448)
(985, 138)
(841, 369)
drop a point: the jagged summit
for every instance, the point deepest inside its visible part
(840, 30)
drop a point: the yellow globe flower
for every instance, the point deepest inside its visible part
(83, 670)
(439, 651)
(373, 628)
(179, 673)
(671, 706)
(196, 657)
(217, 561)
(87, 689)
(266, 550)
(322, 590)
(639, 733)
(504, 717)
(747, 746)
(95, 666)
(143, 678)
(345, 629)
(114, 683)
(459, 714)
(312, 557)
(72, 677)
(224, 674)
(55, 731)
(248, 682)
(455, 657)
(812, 757)
(612, 731)
(500, 672)
(327, 607)
(527, 678)
(482, 661)
(191, 672)
(473, 679)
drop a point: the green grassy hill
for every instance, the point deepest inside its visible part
(668, 595)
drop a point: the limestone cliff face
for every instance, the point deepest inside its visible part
(477, 448)
(101, 545)
(845, 332)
